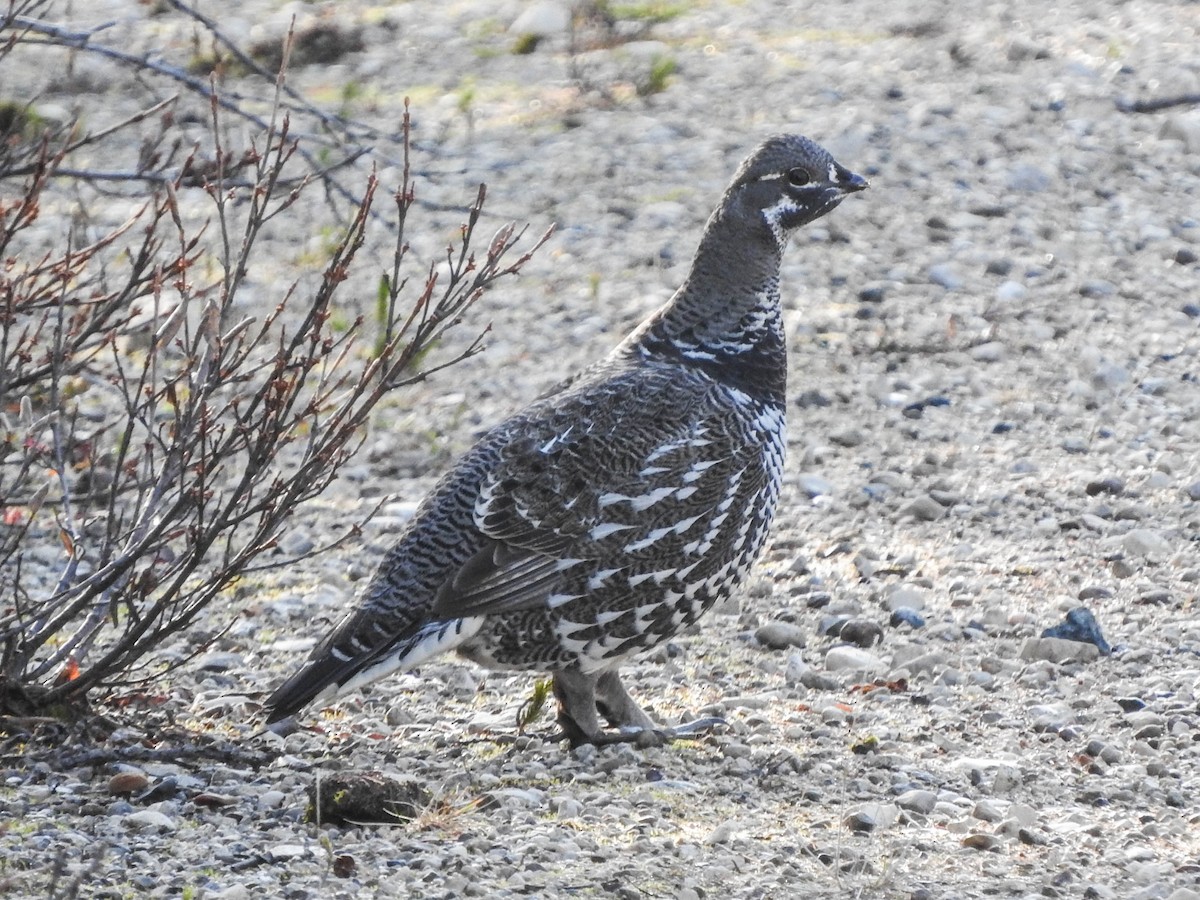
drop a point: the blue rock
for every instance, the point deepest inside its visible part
(1080, 625)
(903, 615)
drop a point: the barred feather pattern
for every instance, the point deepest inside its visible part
(610, 515)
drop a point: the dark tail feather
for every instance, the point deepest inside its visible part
(302, 688)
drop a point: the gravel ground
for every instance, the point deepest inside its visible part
(995, 420)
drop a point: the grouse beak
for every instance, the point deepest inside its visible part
(848, 182)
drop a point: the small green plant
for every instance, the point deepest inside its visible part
(661, 69)
(466, 97)
(651, 12)
(526, 44)
(19, 119)
(531, 710)
(352, 91)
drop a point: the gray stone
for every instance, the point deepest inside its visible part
(848, 437)
(1028, 179)
(1184, 128)
(992, 351)
(988, 811)
(1145, 542)
(945, 274)
(845, 658)
(814, 485)
(923, 508)
(1009, 291)
(918, 801)
(926, 662)
(906, 596)
(543, 18)
(220, 662)
(780, 635)
(1059, 650)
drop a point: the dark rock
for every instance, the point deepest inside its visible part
(861, 632)
(905, 616)
(1109, 485)
(813, 399)
(982, 842)
(350, 797)
(1080, 625)
(1157, 597)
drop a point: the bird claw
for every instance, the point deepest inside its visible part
(642, 738)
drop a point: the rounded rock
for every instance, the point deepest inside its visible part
(846, 658)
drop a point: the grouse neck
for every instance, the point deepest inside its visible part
(725, 317)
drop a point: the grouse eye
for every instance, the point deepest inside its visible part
(798, 177)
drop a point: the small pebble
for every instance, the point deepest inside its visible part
(128, 783)
(923, 509)
(846, 658)
(904, 616)
(814, 485)
(1144, 542)
(945, 275)
(992, 351)
(777, 635)
(1059, 650)
(150, 820)
(982, 842)
(722, 833)
(917, 800)
(1109, 485)
(861, 632)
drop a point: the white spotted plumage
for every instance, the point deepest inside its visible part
(610, 515)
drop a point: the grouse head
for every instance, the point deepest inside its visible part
(789, 181)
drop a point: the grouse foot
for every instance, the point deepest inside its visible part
(584, 698)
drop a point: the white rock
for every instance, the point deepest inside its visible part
(150, 820)
(1024, 814)
(917, 800)
(1009, 291)
(906, 595)
(852, 658)
(271, 799)
(543, 18)
(992, 351)
(796, 668)
(287, 851)
(722, 833)
(1144, 542)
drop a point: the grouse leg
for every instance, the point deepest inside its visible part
(576, 695)
(615, 704)
(583, 698)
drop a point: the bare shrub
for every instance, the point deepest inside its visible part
(154, 435)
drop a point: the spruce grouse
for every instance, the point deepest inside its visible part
(610, 515)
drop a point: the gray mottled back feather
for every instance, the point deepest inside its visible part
(608, 516)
